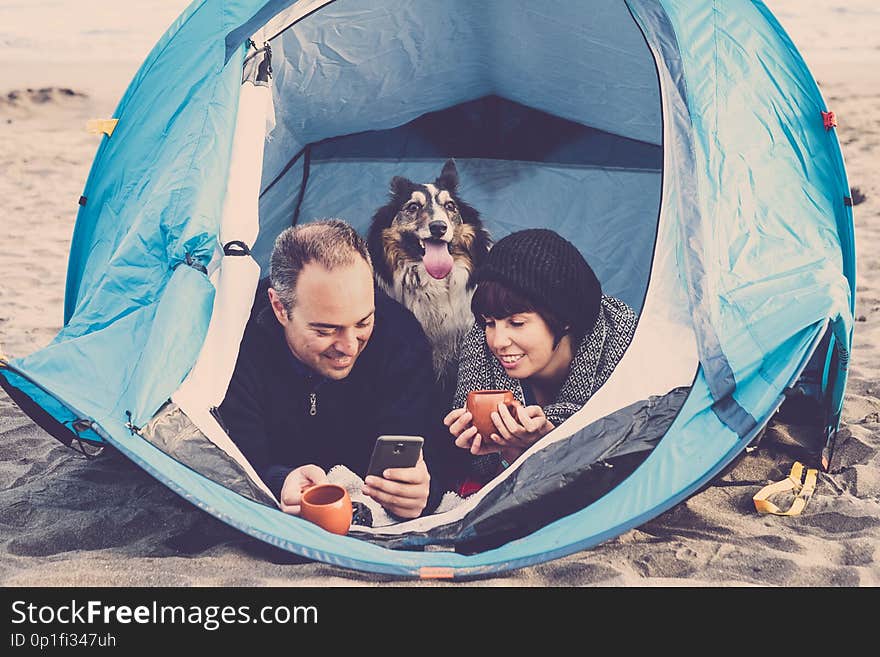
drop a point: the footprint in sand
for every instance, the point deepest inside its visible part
(761, 569)
(834, 522)
(780, 543)
(582, 574)
(667, 562)
(858, 553)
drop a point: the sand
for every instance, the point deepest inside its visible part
(66, 520)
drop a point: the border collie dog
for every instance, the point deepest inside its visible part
(425, 244)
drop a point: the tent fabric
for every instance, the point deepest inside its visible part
(737, 247)
(558, 480)
(172, 431)
(496, 189)
(375, 56)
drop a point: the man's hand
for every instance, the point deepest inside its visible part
(402, 491)
(295, 485)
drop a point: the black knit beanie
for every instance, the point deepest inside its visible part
(550, 272)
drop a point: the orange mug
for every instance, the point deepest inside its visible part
(328, 506)
(481, 404)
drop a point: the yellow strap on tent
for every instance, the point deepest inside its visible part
(800, 480)
(99, 126)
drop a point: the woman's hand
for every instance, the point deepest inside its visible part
(516, 434)
(296, 483)
(466, 436)
(402, 491)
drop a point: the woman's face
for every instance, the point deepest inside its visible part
(522, 343)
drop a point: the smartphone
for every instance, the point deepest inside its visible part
(395, 452)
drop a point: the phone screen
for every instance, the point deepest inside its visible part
(395, 452)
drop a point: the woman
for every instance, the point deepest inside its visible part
(544, 331)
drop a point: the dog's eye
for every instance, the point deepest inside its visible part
(412, 207)
(449, 205)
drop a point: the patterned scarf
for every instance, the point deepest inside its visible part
(596, 357)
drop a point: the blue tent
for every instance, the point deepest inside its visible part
(679, 144)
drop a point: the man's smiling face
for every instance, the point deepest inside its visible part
(332, 317)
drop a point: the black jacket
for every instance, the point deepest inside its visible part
(389, 390)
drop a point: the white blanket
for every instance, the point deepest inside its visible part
(341, 475)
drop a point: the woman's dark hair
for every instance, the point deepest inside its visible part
(496, 300)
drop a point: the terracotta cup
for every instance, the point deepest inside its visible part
(328, 506)
(481, 404)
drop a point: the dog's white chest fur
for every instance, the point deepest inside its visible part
(443, 308)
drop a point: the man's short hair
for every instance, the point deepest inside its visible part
(330, 243)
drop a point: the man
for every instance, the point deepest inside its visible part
(327, 364)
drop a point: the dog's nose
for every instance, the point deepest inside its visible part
(438, 228)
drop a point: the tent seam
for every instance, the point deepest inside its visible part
(715, 65)
(196, 150)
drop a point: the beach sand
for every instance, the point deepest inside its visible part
(66, 520)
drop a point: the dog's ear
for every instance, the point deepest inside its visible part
(381, 220)
(401, 186)
(469, 214)
(448, 177)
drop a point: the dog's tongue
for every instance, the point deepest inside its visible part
(437, 259)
